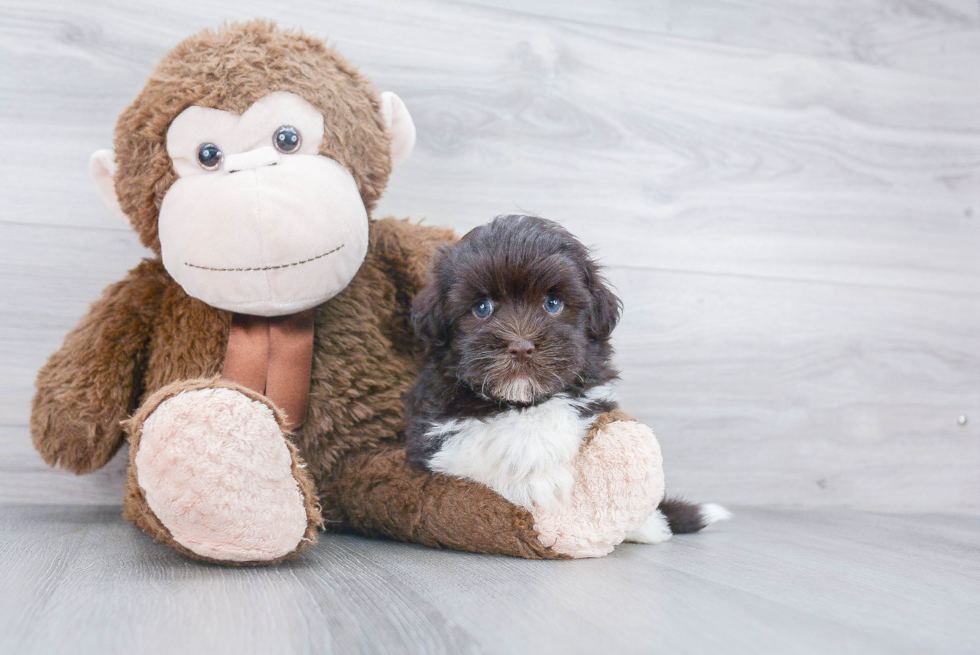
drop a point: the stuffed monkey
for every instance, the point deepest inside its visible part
(256, 362)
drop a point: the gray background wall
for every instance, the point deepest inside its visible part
(786, 192)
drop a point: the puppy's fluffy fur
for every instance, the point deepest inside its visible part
(516, 321)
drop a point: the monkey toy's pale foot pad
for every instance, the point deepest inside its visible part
(218, 473)
(619, 482)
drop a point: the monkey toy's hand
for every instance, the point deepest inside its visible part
(619, 482)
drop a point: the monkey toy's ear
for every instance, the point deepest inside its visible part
(428, 316)
(102, 166)
(401, 128)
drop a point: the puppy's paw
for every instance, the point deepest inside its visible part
(540, 488)
(655, 530)
(618, 483)
(547, 489)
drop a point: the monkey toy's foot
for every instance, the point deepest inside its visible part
(619, 482)
(213, 475)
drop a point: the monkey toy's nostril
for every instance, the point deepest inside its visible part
(521, 350)
(244, 161)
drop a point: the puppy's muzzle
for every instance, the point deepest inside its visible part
(520, 351)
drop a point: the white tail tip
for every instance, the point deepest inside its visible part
(712, 513)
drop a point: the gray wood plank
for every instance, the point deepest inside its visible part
(714, 158)
(804, 394)
(80, 580)
(906, 36)
(761, 391)
(788, 194)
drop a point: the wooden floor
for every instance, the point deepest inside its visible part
(79, 580)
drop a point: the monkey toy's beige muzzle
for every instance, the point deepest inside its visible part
(275, 235)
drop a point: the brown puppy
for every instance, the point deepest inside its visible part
(517, 320)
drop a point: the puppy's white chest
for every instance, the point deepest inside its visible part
(525, 455)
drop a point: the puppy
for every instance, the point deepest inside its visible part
(516, 321)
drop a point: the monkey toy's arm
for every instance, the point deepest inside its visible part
(94, 381)
(618, 485)
(380, 494)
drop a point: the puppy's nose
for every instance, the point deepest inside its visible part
(521, 350)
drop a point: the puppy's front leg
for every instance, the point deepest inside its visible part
(525, 456)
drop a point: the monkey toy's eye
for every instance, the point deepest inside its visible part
(553, 304)
(483, 308)
(210, 156)
(287, 139)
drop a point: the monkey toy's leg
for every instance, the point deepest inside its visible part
(212, 474)
(618, 484)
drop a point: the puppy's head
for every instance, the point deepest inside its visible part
(517, 310)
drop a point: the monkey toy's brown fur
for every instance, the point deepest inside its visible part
(146, 334)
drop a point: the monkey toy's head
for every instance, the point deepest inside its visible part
(249, 162)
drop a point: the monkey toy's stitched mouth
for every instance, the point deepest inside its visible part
(265, 268)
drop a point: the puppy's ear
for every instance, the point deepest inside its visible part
(606, 306)
(428, 315)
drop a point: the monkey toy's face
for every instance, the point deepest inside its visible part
(259, 222)
(256, 202)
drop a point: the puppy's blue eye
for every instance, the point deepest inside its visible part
(483, 308)
(553, 304)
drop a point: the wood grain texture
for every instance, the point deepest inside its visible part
(904, 36)
(78, 580)
(787, 195)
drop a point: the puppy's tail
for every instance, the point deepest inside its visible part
(683, 517)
